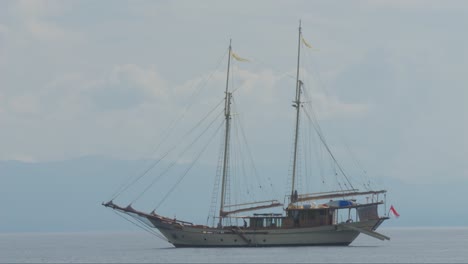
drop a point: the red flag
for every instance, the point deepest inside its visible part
(394, 212)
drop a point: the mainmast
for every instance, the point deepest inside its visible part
(227, 114)
(297, 105)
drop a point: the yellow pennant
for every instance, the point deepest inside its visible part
(235, 56)
(306, 44)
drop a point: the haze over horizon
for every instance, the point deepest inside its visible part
(87, 91)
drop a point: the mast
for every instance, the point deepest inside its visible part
(227, 114)
(297, 104)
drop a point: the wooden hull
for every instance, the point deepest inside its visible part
(331, 235)
(184, 234)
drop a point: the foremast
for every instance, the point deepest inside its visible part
(227, 115)
(297, 105)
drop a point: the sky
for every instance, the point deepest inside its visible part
(105, 79)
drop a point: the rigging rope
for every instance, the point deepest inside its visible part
(327, 148)
(243, 139)
(320, 84)
(364, 178)
(307, 158)
(171, 127)
(175, 161)
(320, 134)
(190, 167)
(167, 152)
(217, 179)
(142, 226)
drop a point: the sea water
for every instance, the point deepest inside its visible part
(407, 245)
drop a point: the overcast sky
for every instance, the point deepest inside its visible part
(85, 78)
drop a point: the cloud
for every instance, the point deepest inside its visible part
(331, 107)
(24, 104)
(261, 87)
(22, 158)
(2, 103)
(147, 79)
(415, 4)
(76, 81)
(3, 29)
(75, 94)
(137, 95)
(39, 19)
(124, 86)
(41, 9)
(264, 80)
(78, 114)
(4, 32)
(47, 31)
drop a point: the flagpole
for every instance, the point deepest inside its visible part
(385, 204)
(394, 212)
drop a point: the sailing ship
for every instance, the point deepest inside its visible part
(307, 219)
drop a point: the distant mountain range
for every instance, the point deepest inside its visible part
(67, 195)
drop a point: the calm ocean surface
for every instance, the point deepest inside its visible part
(408, 245)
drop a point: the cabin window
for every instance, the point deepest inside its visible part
(256, 222)
(268, 222)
